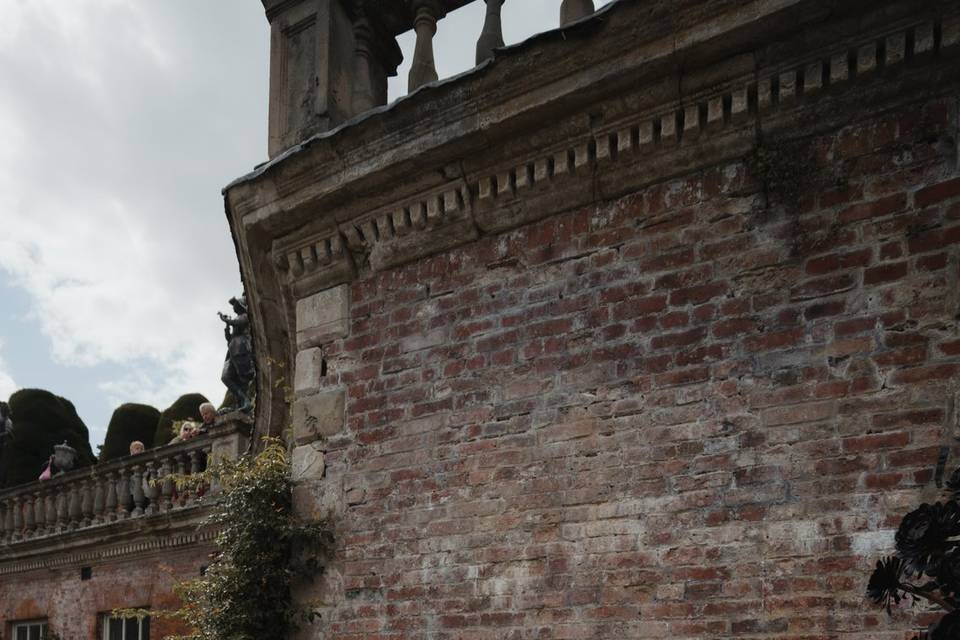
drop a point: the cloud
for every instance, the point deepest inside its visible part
(121, 121)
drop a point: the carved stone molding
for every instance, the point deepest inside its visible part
(91, 554)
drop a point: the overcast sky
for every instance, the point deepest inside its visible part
(120, 122)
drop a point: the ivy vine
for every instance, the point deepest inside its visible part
(262, 547)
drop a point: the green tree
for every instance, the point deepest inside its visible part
(40, 421)
(128, 423)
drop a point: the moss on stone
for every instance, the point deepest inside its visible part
(186, 407)
(129, 422)
(41, 420)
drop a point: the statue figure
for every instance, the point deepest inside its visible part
(238, 367)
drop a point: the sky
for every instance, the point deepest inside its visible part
(120, 123)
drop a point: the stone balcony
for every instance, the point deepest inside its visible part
(111, 509)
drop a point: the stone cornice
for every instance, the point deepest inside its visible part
(114, 541)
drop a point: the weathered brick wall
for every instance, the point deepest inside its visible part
(683, 414)
(73, 606)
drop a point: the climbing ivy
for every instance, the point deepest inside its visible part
(262, 546)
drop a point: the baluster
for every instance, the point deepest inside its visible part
(167, 487)
(74, 509)
(136, 486)
(123, 495)
(110, 503)
(363, 99)
(17, 519)
(183, 493)
(152, 489)
(99, 501)
(62, 510)
(28, 516)
(86, 503)
(195, 463)
(573, 10)
(492, 35)
(39, 514)
(5, 522)
(50, 511)
(423, 69)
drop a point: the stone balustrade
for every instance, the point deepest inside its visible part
(131, 487)
(330, 59)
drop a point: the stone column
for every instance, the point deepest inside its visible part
(314, 66)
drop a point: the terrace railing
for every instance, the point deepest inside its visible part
(138, 486)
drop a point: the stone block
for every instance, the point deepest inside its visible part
(318, 499)
(308, 462)
(308, 371)
(356, 495)
(323, 317)
(318, 416)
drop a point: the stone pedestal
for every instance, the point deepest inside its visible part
(313, 62)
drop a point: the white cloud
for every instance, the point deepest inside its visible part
(120, 122)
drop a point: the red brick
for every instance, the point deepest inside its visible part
(838, 261)
(775, 340)
(885, 273)
(698, 295)
(874, 209)
(937, 193)
(876, 442)
(924, 374)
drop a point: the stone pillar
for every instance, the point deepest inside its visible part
(312, 68)
(318, 416)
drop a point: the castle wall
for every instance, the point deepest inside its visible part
(683, 413)
(646, 329)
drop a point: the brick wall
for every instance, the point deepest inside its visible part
(72, 605)
(697, 411)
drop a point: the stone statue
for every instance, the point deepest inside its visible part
(238, 367)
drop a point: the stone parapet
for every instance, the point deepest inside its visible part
(117, 507)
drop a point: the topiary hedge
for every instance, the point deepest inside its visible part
(40, 420)
(186, 407)
(129, 422)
